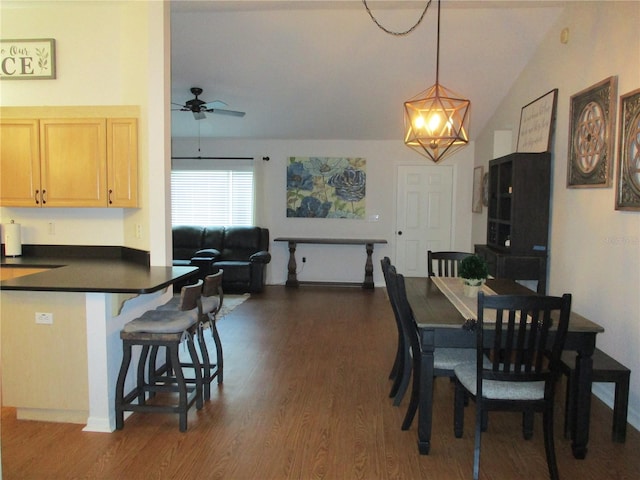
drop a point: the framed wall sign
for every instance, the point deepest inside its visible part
(31, 59)
(591, 135)
(537, 123)
(628, 177)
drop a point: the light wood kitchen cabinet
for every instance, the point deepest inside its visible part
(69, 162)
(122, 162)
(19, 162)
(73, 162)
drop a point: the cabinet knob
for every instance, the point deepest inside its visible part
(44, 199)
(37, 199)
(400, 232)
(109, 197)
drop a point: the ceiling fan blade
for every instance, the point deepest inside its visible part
(199, 115)
(232, 113)
(214, 104)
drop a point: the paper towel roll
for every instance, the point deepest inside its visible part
(12, 240)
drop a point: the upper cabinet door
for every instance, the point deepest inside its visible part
(122, 162)
(19, 163)
(73, 162)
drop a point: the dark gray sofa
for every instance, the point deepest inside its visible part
(242, 252)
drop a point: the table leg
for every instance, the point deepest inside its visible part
(580, 427)
(368, 268)
(292, 278)
(425, 409)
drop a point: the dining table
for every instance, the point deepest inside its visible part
(441, 324)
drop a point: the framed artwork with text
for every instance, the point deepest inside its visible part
(537, 123)
(28, 59)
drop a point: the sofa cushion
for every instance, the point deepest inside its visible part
(187, 240)
(235, 272)
(213, 238)
(240, 243)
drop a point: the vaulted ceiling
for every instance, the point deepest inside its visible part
(323, 70)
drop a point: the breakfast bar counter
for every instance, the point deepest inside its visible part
(60, 328)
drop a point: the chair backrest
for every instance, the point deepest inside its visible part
(447, 263)
(398, 295)
(213, 284)
(190, 296)
(526, 346)
(385, 263)
(212, 294)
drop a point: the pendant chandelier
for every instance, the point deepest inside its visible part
(436, 120)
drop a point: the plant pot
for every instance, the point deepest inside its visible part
(471, 286)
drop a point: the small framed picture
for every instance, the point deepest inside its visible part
(591, 135)
(476, 205)
(628, 176)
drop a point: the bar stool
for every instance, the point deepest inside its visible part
(210, 304)
(211, 300)
(154, 329)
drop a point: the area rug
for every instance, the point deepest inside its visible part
(230, 302)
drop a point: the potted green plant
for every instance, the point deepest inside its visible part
(474, 271)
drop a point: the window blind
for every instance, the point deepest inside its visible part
(212, 197)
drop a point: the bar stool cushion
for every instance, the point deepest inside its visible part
(157, 321)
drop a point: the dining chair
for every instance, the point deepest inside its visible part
(401, 370)
(523, 367)
(447, 263)
(444, 359)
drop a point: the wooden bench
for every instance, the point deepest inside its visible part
(605, 369)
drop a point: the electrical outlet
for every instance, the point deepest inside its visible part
(52, 228)
(138, 230)
(44, 318)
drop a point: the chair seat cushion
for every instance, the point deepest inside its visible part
(172, 304)
(497, 390)
(159, 321)
(448, 358)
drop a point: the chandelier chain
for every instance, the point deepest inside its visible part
(391, 32)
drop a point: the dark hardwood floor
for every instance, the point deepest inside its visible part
(305, 396)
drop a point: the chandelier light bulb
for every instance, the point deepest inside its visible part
(434, 122)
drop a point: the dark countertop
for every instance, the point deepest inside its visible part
(80, 274)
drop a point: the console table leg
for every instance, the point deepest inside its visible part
(292, 278)
(368, 268)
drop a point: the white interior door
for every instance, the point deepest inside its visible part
(423, 215)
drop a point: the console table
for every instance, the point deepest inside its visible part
(292, 278)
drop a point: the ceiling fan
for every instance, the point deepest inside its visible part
(199, 107)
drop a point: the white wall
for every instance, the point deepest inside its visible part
(336, 263)
(594, 249)
(110, 57)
